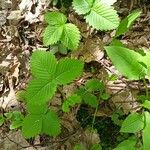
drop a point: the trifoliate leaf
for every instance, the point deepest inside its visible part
(55, 18)
(36, 108)
(102, 17)
(40, 91)
(126, 61)
(82, 6)
(146, 131)
(127, 22)
(133, 123)
(71, 36)
(32, 125)
(67, 70)
(51, 124)
(43, 65)
(71, 101)
(52, 34)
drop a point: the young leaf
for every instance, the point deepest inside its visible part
(82, 6)
(146, 131)
(71, 36)
(102, 17)
(52, 34)
(67, 70)
(55, 18)
(127, 22)
(127, 144)
(32, 125)
(43, 65)
(16, 124)
(90, 99)
(93, 85)
(40, 91)
(133, 123)
(51, 124)
(126, 61)
(71, 101)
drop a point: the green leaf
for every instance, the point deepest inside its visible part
(146, 60)
(71, 36)
(2, 120)
(71, 101)
(37, 108)
(52, 34)
(93, 85)
(82, 6)
(55, 18)
(43, 65)
(90, 99)
(102, 17)
(127, 22)
(116, 42)
(32, 125)
(146, 104)
(79, 147)
(40, 91)
(133, 123)
(127, 144)
(96, 147)
(51, 124)
(146, 132)
(126, 61)
(108, 2)
(67, 70)
(16, 124)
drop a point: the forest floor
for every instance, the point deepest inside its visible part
(21, 27)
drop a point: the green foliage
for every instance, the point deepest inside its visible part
(67, 70)
(127, 144)
(96, 147)
(145, 59)
(48, 74)
(59, 30)
(146, 104)
(126, 61)
(35, 124)
(127, 22)
(133, 123)
(146, 137)
(97, 13)
(70, 102)
(15, 118)
(79, 147)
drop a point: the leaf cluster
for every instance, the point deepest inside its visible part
(59, 30)
(48, 73)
